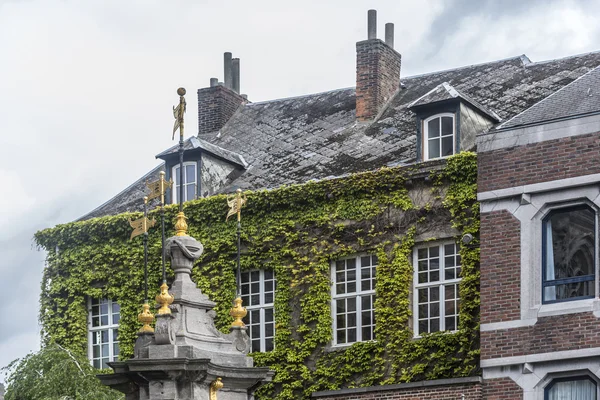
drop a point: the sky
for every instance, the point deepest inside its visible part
(86, 89)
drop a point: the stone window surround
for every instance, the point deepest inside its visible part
(534, 377)
(530, 204)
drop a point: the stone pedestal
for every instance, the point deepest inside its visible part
(187, 353)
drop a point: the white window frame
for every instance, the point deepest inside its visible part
(98, 329)
(358, 294)
(426, 135)
(441, 284)
(174, 176)
(261, 307)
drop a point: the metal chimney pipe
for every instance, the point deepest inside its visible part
(214, 82)
(227, 69)
(372, 24)
(235, 83)
(389, 34)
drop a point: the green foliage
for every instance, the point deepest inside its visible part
(297, 231)
(55, 373)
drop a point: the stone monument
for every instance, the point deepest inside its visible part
(186, 357)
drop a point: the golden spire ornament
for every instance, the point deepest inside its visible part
(140, 227)
(146, 318)
(235, 204)
(164, 299)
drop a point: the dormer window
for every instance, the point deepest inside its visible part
(439, 137)
(190, 183)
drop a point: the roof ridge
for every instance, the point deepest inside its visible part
(563, 58)
(299, 96)
(520, 57)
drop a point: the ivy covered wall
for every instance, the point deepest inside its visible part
(297, 231)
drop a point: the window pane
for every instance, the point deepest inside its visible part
(433, 128)
(447, 146)
(268, 298)
(190, 192)
(190, 173)
(255, 276)
(433, 148)
(269, 344)
(447, 128)
(569, 290)
(569, 237)
(341, 336)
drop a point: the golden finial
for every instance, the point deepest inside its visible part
(164, 299)
(238, 312)
(235, 203)
(146, 318)
(180, 225)
(216, 385)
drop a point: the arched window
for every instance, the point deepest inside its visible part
(569, 254)
(439, 138)
(576, 388)
(190, 182)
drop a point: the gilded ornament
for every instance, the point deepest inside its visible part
(216, 385)
(164, 299)
(238, 312)
(146, 318)
(181, 225)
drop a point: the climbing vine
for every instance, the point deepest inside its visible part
(296, 231)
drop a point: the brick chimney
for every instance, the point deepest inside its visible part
(218, 103)
(377, 70)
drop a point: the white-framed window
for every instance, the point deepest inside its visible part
(103, 339)
(258, 296)
(436, 280)
(190, 181)
(353, 299)
(439, 136)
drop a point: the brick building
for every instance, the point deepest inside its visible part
(535, 128)
(539, 194)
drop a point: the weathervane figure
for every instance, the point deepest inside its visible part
(178, 112)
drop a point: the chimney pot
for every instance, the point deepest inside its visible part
(389, 34)
(372, 24)
(214, 82)
(228, 71)
(235, 83)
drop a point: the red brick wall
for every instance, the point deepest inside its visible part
(557, 333)
(450, 392)
(500, 267)
(377, 77)
(539, 162)
(501, 389)
(215, 106)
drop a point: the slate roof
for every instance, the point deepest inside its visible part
(316, 136)
(580, 97)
